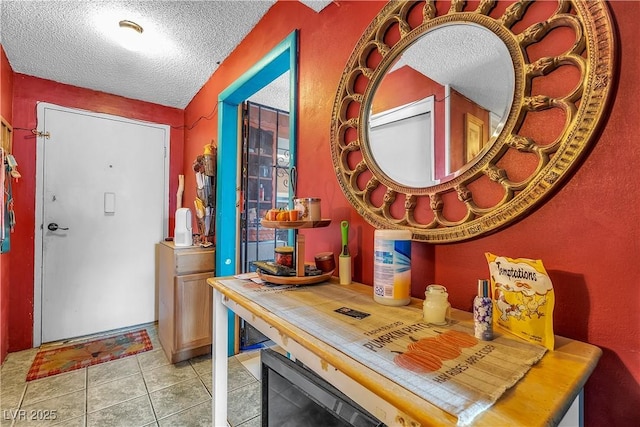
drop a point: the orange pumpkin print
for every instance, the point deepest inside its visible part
(426, 354)
(457, 338)
(441, 349)
(418, 361)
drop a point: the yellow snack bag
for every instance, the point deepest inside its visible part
(523, 298)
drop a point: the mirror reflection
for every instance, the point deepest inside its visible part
(557, 74)
(448, 95)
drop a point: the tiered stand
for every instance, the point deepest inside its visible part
(300, 278)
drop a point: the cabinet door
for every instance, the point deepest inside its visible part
(193, 311)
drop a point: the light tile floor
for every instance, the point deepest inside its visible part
(136, 391)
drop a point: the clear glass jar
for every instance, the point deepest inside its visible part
(436, 308)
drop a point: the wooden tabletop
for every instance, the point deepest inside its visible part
(541, 398)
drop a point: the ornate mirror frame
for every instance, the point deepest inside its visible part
(492, 191)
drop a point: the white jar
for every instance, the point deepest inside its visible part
(436, 308)
(392, 267)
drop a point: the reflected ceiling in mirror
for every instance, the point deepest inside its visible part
(562, 58)
(451, 74)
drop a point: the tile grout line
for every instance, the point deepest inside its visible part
(24, 392)
(194, 365)
(179, 382)
(144, 381)
(110, 381)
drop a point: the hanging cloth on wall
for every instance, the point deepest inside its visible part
(8, 214)
(2, 200)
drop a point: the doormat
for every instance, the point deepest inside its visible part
(81, 355)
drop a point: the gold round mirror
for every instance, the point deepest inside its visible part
(451, 73)
(452, 123)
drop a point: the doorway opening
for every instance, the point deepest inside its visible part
(282, 58)
(266, 181)
(266, 184)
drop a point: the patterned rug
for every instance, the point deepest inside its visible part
(80, 355)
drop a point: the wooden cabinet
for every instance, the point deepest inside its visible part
(184, 318)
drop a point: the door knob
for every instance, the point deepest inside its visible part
(53, 227)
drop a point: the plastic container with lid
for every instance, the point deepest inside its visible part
(392, 267)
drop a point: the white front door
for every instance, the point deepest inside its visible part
(102, 210)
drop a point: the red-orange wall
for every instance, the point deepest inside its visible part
(27, 91)
(587, 234)
(6, 86)
(6, 99)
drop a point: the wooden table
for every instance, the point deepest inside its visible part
(542, 397)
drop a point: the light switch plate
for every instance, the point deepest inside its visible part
(109, 202)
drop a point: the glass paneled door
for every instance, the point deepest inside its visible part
(266, 181)
(266, 184)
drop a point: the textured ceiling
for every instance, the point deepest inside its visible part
(65, 41)
(471, 59)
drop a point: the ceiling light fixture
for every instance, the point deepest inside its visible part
(130, 24)
(129, 34)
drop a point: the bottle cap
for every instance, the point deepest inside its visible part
(284, 250)
(483, 288)
(436, 289)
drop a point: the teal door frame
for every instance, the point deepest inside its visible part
(282, 58)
